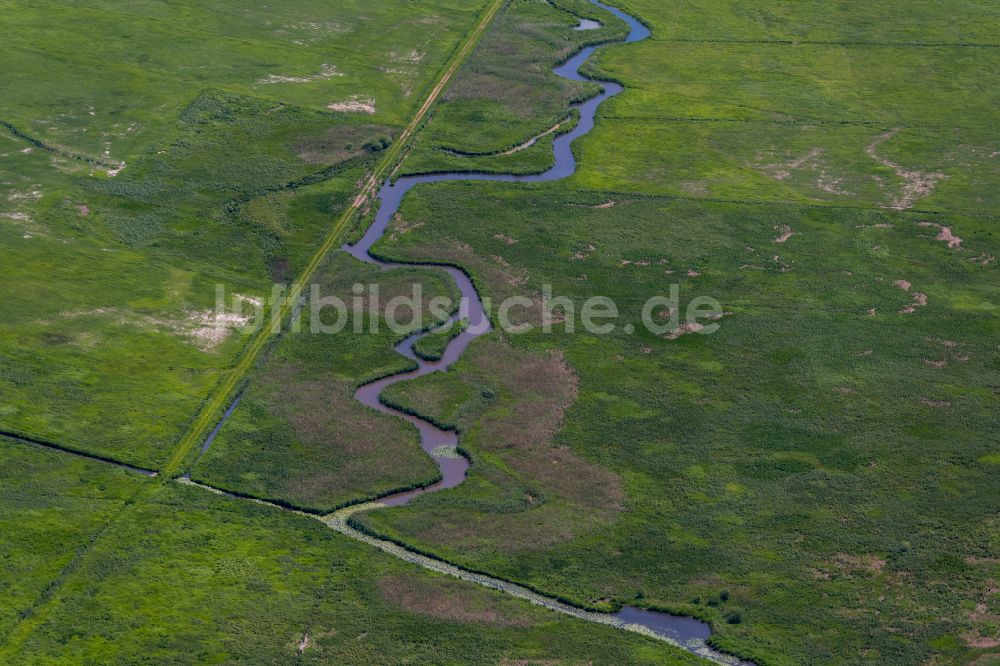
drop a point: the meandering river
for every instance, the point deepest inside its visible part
(441, 444)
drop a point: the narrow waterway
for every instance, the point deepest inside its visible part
(441, 444)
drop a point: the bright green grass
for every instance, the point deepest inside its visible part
(707, 111)
(136, 69)
(195, 578)
(506, 93)
(774, 459)
(227, 180)
(51, 506)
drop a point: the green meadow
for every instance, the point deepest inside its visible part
(243, 132)
(299, 435)
(815, 473)
(191, 577)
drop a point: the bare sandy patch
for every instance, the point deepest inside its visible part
(786, 233)
(505, 239)
(945, 234)
(354, 104)
(414, 57)
(984, 636)
(607, 204)
(24, 197)
(400, 227)
(782, 170)
(919, 301)
(326, 71)
(831, 185)
(207, 329)
(918, 184)
(684, 329)
(16, 216)
(936, 404)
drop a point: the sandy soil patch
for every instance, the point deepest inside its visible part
(24, 197)
(936, 404)
(984, 636)
(782, 170)
(355, 104)
(505, 239)
(945, 234)
(607, 204)
(414, 57)
(684, 329)
(831, 185)
(401, 227)
(207, 329)
(918, 184)
(919, 301)
(16, 217)
(786, 233)
(326, 71)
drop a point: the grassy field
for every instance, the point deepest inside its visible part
(812, 458)
(784, 103)
(51, 505)
(195, 578)
(506, 92)
(298, 435)
(143, 162)
(819, 478)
